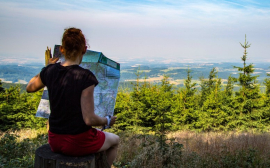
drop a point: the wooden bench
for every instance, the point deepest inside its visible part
(45, 158)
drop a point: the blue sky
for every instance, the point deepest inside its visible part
(171, 30)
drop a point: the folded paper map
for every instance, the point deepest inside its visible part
(107, 73)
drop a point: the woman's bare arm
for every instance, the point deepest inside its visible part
(87, 105)
(34, 84)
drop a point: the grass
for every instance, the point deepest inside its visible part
(226, 148)
(17, 149)
(214, 149)
(179, 149)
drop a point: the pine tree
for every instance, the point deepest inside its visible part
(229, 87)
(189, 92)
(208, 85)
(267, 84)
(1, 87)
(247, 81)
(184, 105)
(162, 105)
(249, 91)
(211, 116)
(17, 110)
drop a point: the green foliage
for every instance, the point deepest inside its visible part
(124, 110)
(141, 107)
(162, 107)
(1, 86)
(17, 110)
(15, 153)
(22, 87)
(184, 104)
(249, 91)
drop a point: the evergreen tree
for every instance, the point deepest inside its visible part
(189, 92)
(162, 107)
(17, 110)
(229, 87)
(1, 87)
(267, 84)
(228, 103)
(208, 85)
(137, 107)
(249, 91)
(211, 116)
(184, 105)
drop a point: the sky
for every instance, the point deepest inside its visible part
(125, 30)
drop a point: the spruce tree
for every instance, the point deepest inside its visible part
(17, 110)
(267, 93)
(229, 87)
(211, 116)
(228, 96)
(189, 91)
(161, 105)
(208, 85)
(1, 87)
(185, 105)
(267, 84)
(249, 90)
(246, 80)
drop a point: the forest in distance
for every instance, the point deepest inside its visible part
(153, 72)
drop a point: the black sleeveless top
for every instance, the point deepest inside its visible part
(65, 85)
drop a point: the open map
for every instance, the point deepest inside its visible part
(107, 73)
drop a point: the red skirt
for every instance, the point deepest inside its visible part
(77, 145)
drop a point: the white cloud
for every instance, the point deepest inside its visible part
(177, 29)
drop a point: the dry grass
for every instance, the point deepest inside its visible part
(214, 149)
(25, 133)
(215, 143)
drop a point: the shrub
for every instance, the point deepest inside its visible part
(16, 153)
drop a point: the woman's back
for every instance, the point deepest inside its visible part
(65, 85)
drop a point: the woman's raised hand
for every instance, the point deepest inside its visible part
(53, 60)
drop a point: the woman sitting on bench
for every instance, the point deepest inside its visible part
(71, 95)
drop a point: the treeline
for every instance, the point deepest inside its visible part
(202, 106)
(209, 108)
(13, 72)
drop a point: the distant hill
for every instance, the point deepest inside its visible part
(153, 72)
(14, 73)
(8, 85)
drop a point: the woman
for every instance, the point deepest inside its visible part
(71, 90)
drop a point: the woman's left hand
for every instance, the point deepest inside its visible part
(53, 60)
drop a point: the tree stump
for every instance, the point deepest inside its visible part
(101, 160)
(45, 158)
